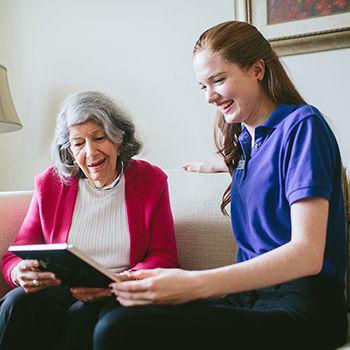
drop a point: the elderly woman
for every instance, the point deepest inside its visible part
(96, 197)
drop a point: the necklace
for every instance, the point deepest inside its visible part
(108, 187)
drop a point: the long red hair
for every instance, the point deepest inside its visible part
(241, 43)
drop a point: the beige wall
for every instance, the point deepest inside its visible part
(138, 52)
(323, 80)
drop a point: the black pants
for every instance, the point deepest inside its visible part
(30, 321)
(307, 313)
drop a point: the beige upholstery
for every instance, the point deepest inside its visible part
(203, 234)
(13, 208)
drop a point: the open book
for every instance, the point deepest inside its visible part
(68, 263)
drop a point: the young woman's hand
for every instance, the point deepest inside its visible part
(27, 275)
(158, 286)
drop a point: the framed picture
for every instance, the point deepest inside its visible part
(299, 26)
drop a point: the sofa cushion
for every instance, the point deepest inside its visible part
(203, 234)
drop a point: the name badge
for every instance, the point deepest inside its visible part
(241, 164)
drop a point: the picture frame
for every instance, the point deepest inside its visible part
(298, 36)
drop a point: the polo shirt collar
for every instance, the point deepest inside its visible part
(278, 116)
(263, 130)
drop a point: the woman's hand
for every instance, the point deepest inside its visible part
(27, 275)
(205, 167)
(90, 294)
(158, 286)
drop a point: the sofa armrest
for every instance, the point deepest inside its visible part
(13, 208)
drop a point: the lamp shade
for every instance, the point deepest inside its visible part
(9, 120)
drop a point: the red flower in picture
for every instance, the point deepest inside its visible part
(280, 11)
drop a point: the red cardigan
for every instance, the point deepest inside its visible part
(151, 226)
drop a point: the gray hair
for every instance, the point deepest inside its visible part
(81, 107)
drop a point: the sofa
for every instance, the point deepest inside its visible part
(204, 236)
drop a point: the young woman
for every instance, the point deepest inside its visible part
(286, 289)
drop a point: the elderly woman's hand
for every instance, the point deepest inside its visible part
(206, 166)
(27, 275)
(90, 294)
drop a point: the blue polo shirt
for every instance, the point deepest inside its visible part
(295, 156)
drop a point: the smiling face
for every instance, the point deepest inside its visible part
(237, 93)
(95, 154)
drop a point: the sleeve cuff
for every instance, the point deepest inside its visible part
(308, 192)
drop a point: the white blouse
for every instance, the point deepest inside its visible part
(100, 225)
